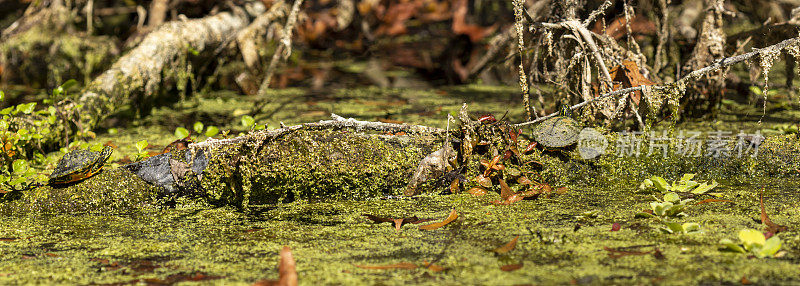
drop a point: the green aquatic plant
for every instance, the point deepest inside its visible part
(754, 242)
(671, 206)
(199, 128)
(141, 150)
(683, 185)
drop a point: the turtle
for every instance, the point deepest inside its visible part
(556, 132)
(78, 165)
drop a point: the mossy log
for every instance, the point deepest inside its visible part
(260, 168)
(162, 56)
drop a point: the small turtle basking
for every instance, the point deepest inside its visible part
(78, 165)
(559, 131)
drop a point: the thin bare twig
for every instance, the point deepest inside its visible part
(284, 49)
(600, 10)
(693, 75)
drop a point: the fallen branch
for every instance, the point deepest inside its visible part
(141, 73)
(336, 123)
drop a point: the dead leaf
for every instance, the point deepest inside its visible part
(287, 271)
(460, 26)
(450, 218)
(398, 222)
(483, 181)
(477, 191)
(401, 265)
(433, 267)
(771, 226)
(507, 247)
(455, 186)
(524, 181)
(628, 75)
(511, 267)
(505, 191)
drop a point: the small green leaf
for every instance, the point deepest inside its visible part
(20, 166)
(660, 183)
(7, 110)
(674, 211)
(113, 131)
(704, 187)
(731, 246)
(198, 127)
(17, 181)
(684, 186)
(260, 127)
(26, 108)
(660, 209)
(141, 145)
(756, 90)
(671, 197)
(3, 179)
(771, 246)
(181, 132)
(751, 238)
(69, 83)
(646, 184)
(687, 177)
(643, 215)
(212, 131)
(674, 227)
(248, 121)
(691, 227)
(2, 96)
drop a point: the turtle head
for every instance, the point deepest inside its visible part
(104, 155)
(565, 110)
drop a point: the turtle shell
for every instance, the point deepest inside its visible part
(79, 164)
(556, 132)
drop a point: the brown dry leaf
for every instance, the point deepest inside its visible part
(433, 267)
(524, 181)
(455, 186)
(628, 75)
(401, 265)
(460, 26)
(771, 226)
(511, 267)
(450, 218)
(561, 190)
(287, 271)
(477, 191)
(483, 181)
(490, 165)
(510, 200)
(617, 28)
(507, 247)
(398, 222)
(505, 191)
(52, 254)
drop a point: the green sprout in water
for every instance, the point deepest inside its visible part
(671, 206)
(684, 185)
(753, 241)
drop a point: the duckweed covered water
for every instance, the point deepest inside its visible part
(96, 232)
